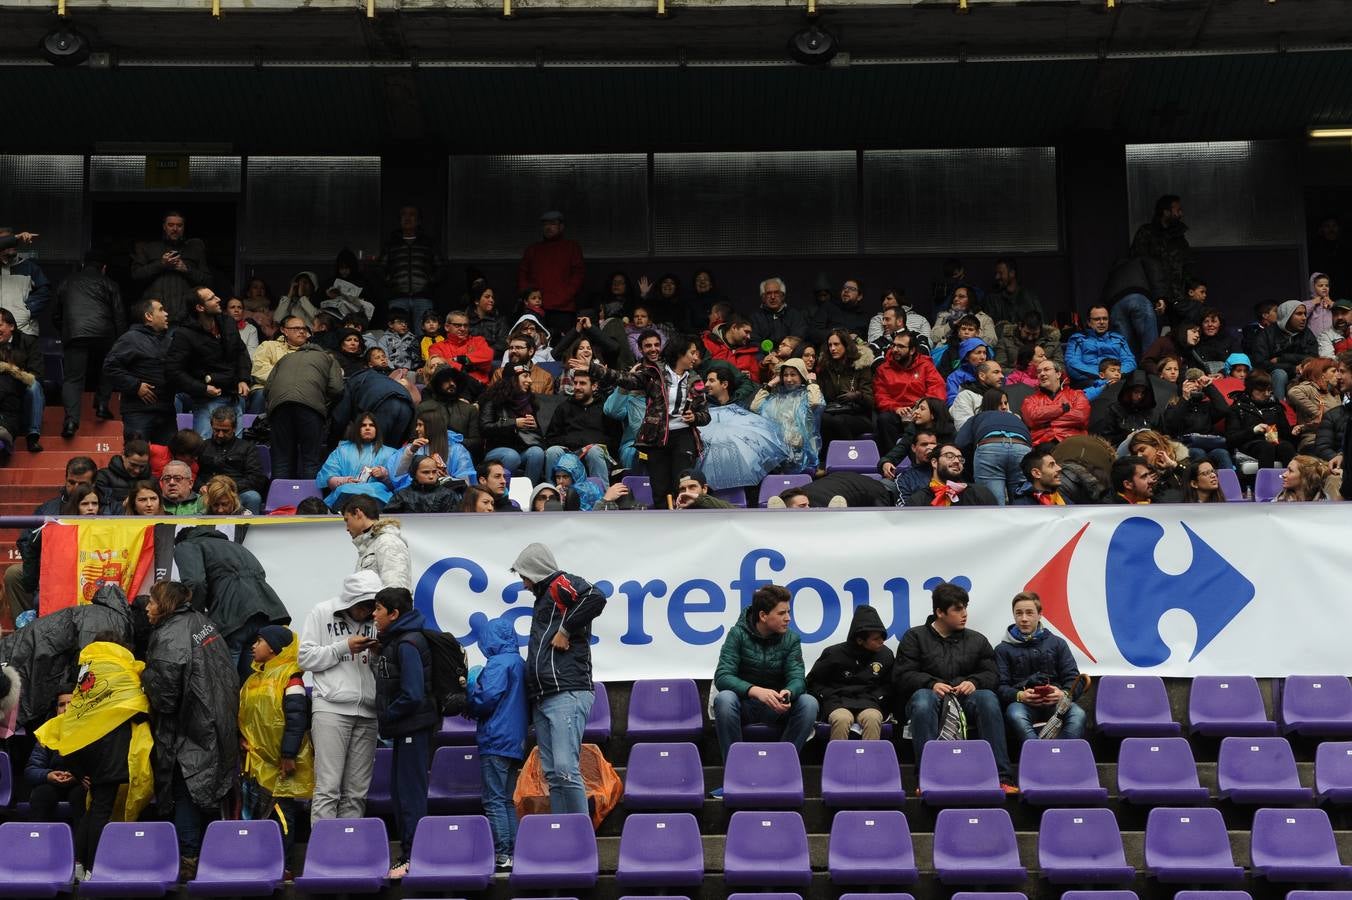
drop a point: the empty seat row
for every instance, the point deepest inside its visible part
(1220, 706)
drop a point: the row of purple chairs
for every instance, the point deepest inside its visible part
(1138, 706)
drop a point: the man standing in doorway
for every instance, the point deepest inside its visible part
(554, 265)
(172, 268)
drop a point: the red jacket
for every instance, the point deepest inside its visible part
(161, 457)
(901, 387)
(1055, 417)
(556, 268)
(476, 348)
(746, 358)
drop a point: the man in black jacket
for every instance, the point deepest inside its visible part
(133, 464)
(21, 359)
(580, 422)
(208, 361)
(88, 312)
(942, 658)
(228, 454)
(413, 266)
(852, 680)
(135, 366)
(172, 268)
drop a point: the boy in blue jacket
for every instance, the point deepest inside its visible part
(497, 698)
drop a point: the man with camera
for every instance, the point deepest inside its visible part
(1036, 669)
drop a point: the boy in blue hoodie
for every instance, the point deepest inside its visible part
(497, 698)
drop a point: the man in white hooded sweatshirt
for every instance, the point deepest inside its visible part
(335, 643)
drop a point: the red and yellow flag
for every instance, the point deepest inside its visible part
(78, 559)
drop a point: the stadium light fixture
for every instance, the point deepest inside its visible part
(1334, 133)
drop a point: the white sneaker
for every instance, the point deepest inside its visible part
(81, 874)
(775, 502)
(837, 502)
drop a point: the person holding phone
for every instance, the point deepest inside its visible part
(336, 642)
(1036, 669)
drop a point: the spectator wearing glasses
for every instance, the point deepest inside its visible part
(208, 362)
(467, 352)
(945, 488)
(176, 490)
(521, 351)
(1087, 348)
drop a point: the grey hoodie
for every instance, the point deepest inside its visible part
(536, 562)
(343, 681)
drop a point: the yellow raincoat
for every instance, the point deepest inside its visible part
(108, 693)
(262, 720)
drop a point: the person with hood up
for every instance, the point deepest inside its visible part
(467, 352)
(406, 709)
(497, 700)
(570, 480)
(193, 688)
(1320, 304)
(361, 465)
(228, 584)
(759, 678)
(301, 299)
(1282, 347)
(559, 670)
(428, 493)
(943, 658)
(1133, 409)
(445, 393)
(274, 724)
(336, 644)
(852, 680)
(791, 400)
(1036, 669)
(973, 352)
(380, 544)
(845, 375)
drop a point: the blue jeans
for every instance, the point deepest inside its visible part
(201, 413)
(996, 466)
(1280, 379)
(595, 462)
(1021, 717)
(252, 501)
(499, 777)
(732, 710)
(981, 707)
(559, 722)
(530, 462)
(34, 401)
(1220, 457)
(189, 818)
(1133, 317)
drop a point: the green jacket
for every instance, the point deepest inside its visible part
(748, 660)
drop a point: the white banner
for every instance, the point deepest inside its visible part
(1174, 590)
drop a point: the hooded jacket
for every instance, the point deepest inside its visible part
(583, 494)
(45, 651)
(497, 698)
(113, 480)
(851, 384)
(227, 581)
(1119, 419)
(745, 357)
(344, 682)
(566, 604)
(1277, 348)
(137, 357)
(749, 659)
(924, 659)
(1038, 658)
(383, 550)
(543, 348)
(193, 687)
(1087, 348)
(274, 724)
(404, 698)
(965, 372)
(292, 303)
(846, 676)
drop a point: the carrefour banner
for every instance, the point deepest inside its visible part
(1173, 590)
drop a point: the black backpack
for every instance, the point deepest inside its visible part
(449, 672)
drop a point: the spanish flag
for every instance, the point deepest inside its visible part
(78, 559)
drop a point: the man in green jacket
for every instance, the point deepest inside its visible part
(759, 678)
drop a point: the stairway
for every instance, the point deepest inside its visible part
(33, 478)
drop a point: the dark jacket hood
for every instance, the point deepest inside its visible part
(413, 620)
(865, 620)
(1138, 378)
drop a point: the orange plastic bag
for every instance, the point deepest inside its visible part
(604, 788)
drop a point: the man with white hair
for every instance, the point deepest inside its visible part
(176, 489)
(776, 320)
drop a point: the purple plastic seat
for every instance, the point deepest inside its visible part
(289, 492)
(455, 783)
(1213, 895)
(346, 856)
(456, 731)
(664, 776)
(768, 896)
(774, 485)
(959, 773)
(183, 421)
(1229, 485)
(1133, 706)
(1158, 770)
(1319, 895)
(37, 859)
(1222, 706)
(1333, 772)
(134, 859)
(852, 456)
(1189, 846)
(666, 710)
(451, 853)
(871, 847)
(640, 488)
(1082, 846)
(989, 895)
(1296, 845)
(766, 849)
(1060, 772)
(861, 774)
(658, 850)
(734, 495)
(239, 859)
(1267, 484)
(597, 729)
(264, 459)
(555, 852)
(761, 731)
(822, 732)
(1099, 895)
(976, 846)
(762, 775)
(379, 799)
(1259, 771)
(868, 896)
(1319, 705)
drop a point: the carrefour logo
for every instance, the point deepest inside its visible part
(1138, 593)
